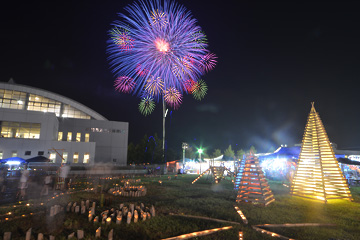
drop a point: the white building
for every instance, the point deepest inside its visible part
(35, 122)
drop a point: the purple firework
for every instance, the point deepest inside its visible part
(209, 62)
(124, 84)
(162, 42)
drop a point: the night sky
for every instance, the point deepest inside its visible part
(274, 59)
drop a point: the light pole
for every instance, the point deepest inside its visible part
(200, 151)
(184, 147)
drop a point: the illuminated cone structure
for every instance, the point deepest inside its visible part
(318, 175)
(217, 172)
(253, 187)
(239, 173)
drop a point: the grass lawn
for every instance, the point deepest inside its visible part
(203, 198)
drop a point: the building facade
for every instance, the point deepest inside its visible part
(35, 122)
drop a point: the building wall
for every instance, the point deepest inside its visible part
(49, 122)
(111, 137)
(107, 143)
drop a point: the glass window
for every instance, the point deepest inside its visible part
(27, 152)
(12, 99)
(40, 153)
(71, 112)
(60, 136)
(1, 154)
(69, 136)
(65, 157)
(52, 157)
(86, 158)
(40, 103)
(14, 154)
(78, 137)
(87, 137)
(76, 157)
(20, 130)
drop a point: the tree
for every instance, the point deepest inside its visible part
(189, 153)
(229, 152)
(216, 153)
(253, 149)
(240, 154)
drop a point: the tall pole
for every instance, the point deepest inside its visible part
(164, 116)
(200, 160)
(184, 147)
(200, 152)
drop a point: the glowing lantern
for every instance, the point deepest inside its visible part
(318, 175)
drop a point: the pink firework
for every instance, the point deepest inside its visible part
(124, 84)
(173, 97)
(188, 85)
(209, 62)
(141, 71)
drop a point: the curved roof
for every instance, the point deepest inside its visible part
(53, 96)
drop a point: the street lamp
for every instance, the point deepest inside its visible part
(200, 151)
(184, 147)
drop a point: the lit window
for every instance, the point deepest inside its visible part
(20, 130)
(65, 157)
(1, 154)
(14, 154)
(78, 137)
(69, 136)
(52, 157)
(87, 137)
(60, 136)
(86, 158)
(76, 157)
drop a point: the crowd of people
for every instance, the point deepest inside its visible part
(29, 181)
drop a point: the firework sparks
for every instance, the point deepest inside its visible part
(209, 62)
(173, 97)
(158, 38)
(124, 84)
(146, 106)
(199, 90)
(154, 86)
(122, 39)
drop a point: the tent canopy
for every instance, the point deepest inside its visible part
(14, 160)
(38, 159)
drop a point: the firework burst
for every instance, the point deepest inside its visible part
(209, 62)
(124, 84)
(199, 90)
(163, 35)
(159, 46)
(146, 106)
(154, 86)
(122, 39)
(173, 97)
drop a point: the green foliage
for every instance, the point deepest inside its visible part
(253, 150)
(240, 153)
(216, 153)
(149, 150)
(190, 153)
(229, 152)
